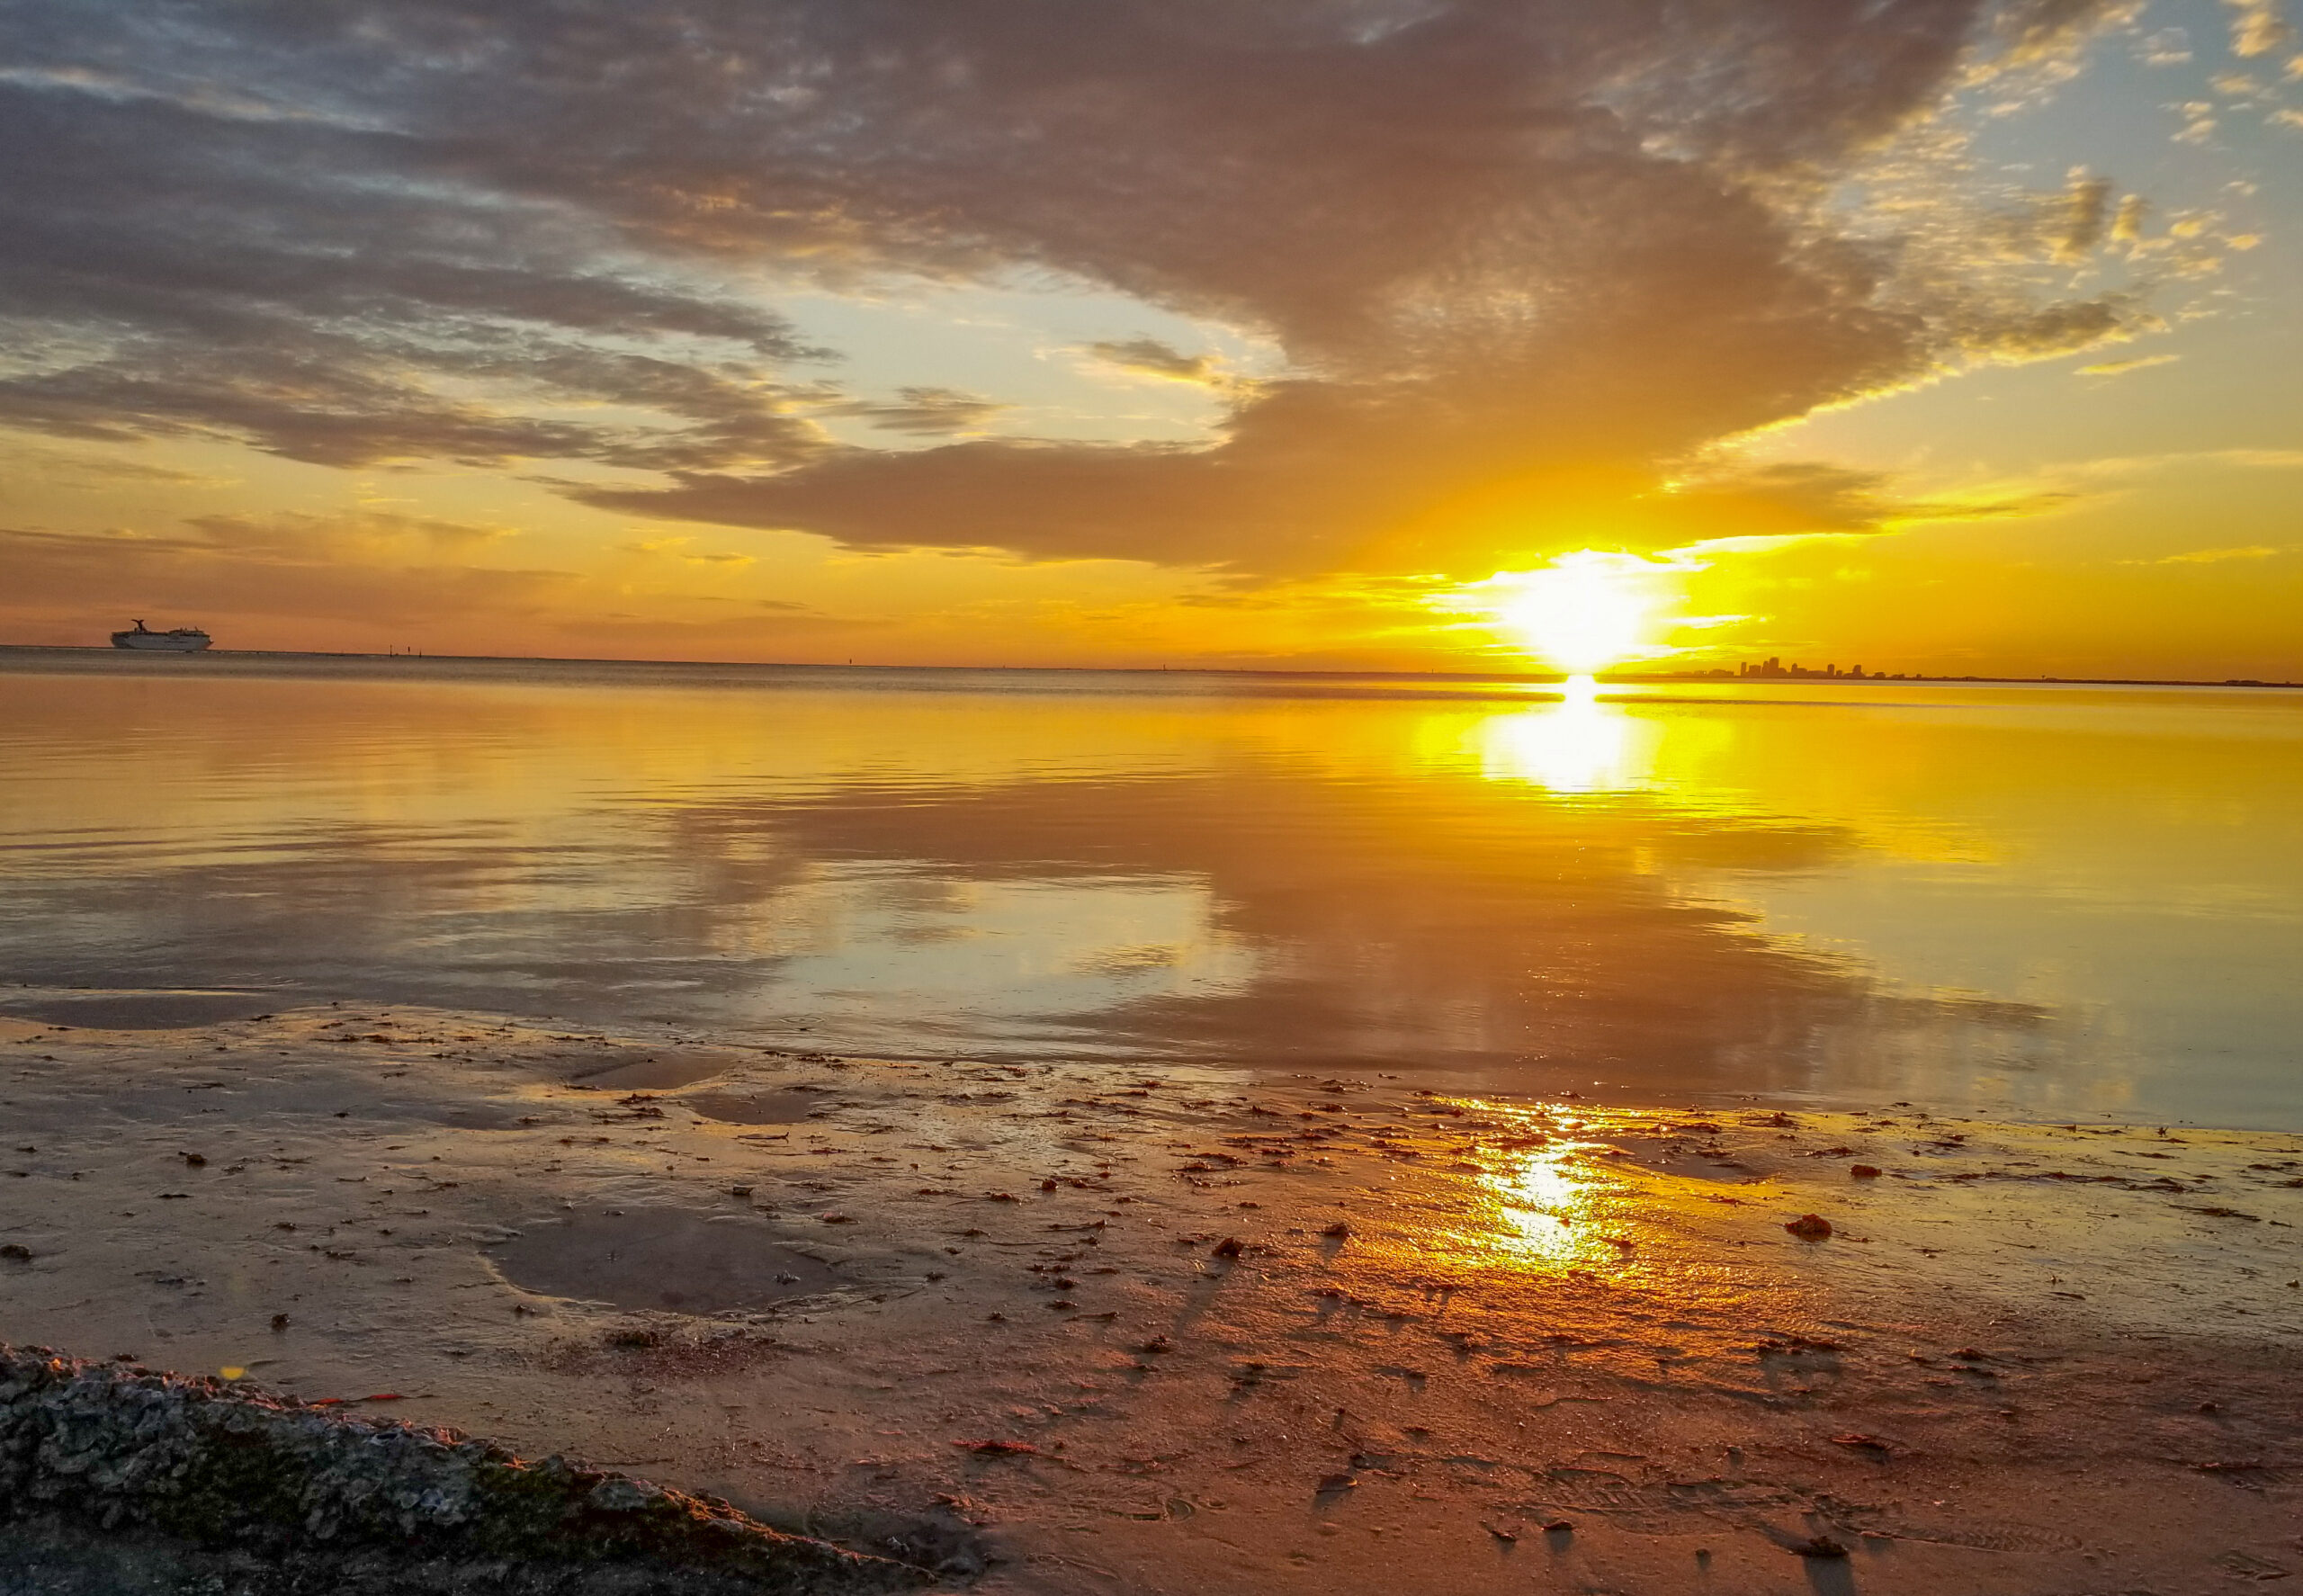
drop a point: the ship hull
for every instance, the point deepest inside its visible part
(163, 642)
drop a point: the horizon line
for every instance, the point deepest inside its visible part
(1714, 673)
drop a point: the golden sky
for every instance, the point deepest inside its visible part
(1948, 335)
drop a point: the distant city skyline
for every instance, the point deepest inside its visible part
(1773, 665)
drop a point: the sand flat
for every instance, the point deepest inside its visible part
(1209, 1330)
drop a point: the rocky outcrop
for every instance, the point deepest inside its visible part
(128, 1451)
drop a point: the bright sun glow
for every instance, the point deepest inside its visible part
(1584, 612)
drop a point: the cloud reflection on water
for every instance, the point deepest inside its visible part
(1541, 896)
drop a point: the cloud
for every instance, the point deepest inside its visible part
(2036, 30)
(2114, 368)
(2123, 466)
(362, 580)
(2015, 335)
(926, 412)
(2169, 47)
(246, 568)
(32, 460)
(1522, 258)
(676, 548)
(305, 285)
(2257, 29)
(2198, 122)
(359, 532)
(1805, 499)
(1149, 357)
(2212, 556)
(2086, 212)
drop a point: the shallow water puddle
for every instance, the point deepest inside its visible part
(663, 1258)
(756, 1107)
(135, 1010)
(655, 1071)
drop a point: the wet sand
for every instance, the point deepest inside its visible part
(1200, 1330)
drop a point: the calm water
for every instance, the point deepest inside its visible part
(2052, 901)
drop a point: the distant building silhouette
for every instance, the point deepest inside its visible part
(1774, 668)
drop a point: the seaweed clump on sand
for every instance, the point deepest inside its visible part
(117, 1477)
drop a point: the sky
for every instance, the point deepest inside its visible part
(1955, 337)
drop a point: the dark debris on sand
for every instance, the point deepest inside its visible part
(120, 1480)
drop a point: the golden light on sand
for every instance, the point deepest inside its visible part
(1544, 1201)
(1539, 1202)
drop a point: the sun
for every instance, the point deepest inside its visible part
(1584, 612)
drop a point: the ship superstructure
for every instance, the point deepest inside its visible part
(179, 640)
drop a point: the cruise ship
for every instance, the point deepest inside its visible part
(181, 640)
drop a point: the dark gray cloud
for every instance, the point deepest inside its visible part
(1529, 252)
(2087, 212)
(925, 412)
(1150, 357)
(305, 284)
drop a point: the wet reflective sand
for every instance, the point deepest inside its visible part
(2037, 901)
(1203, 1329)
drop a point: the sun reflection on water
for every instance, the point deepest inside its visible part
(1579, 744)
(1541, 1198)
(1539, 1202)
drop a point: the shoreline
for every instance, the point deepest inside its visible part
(1543, 679)
(1507, 1078)
(1200, 1329)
